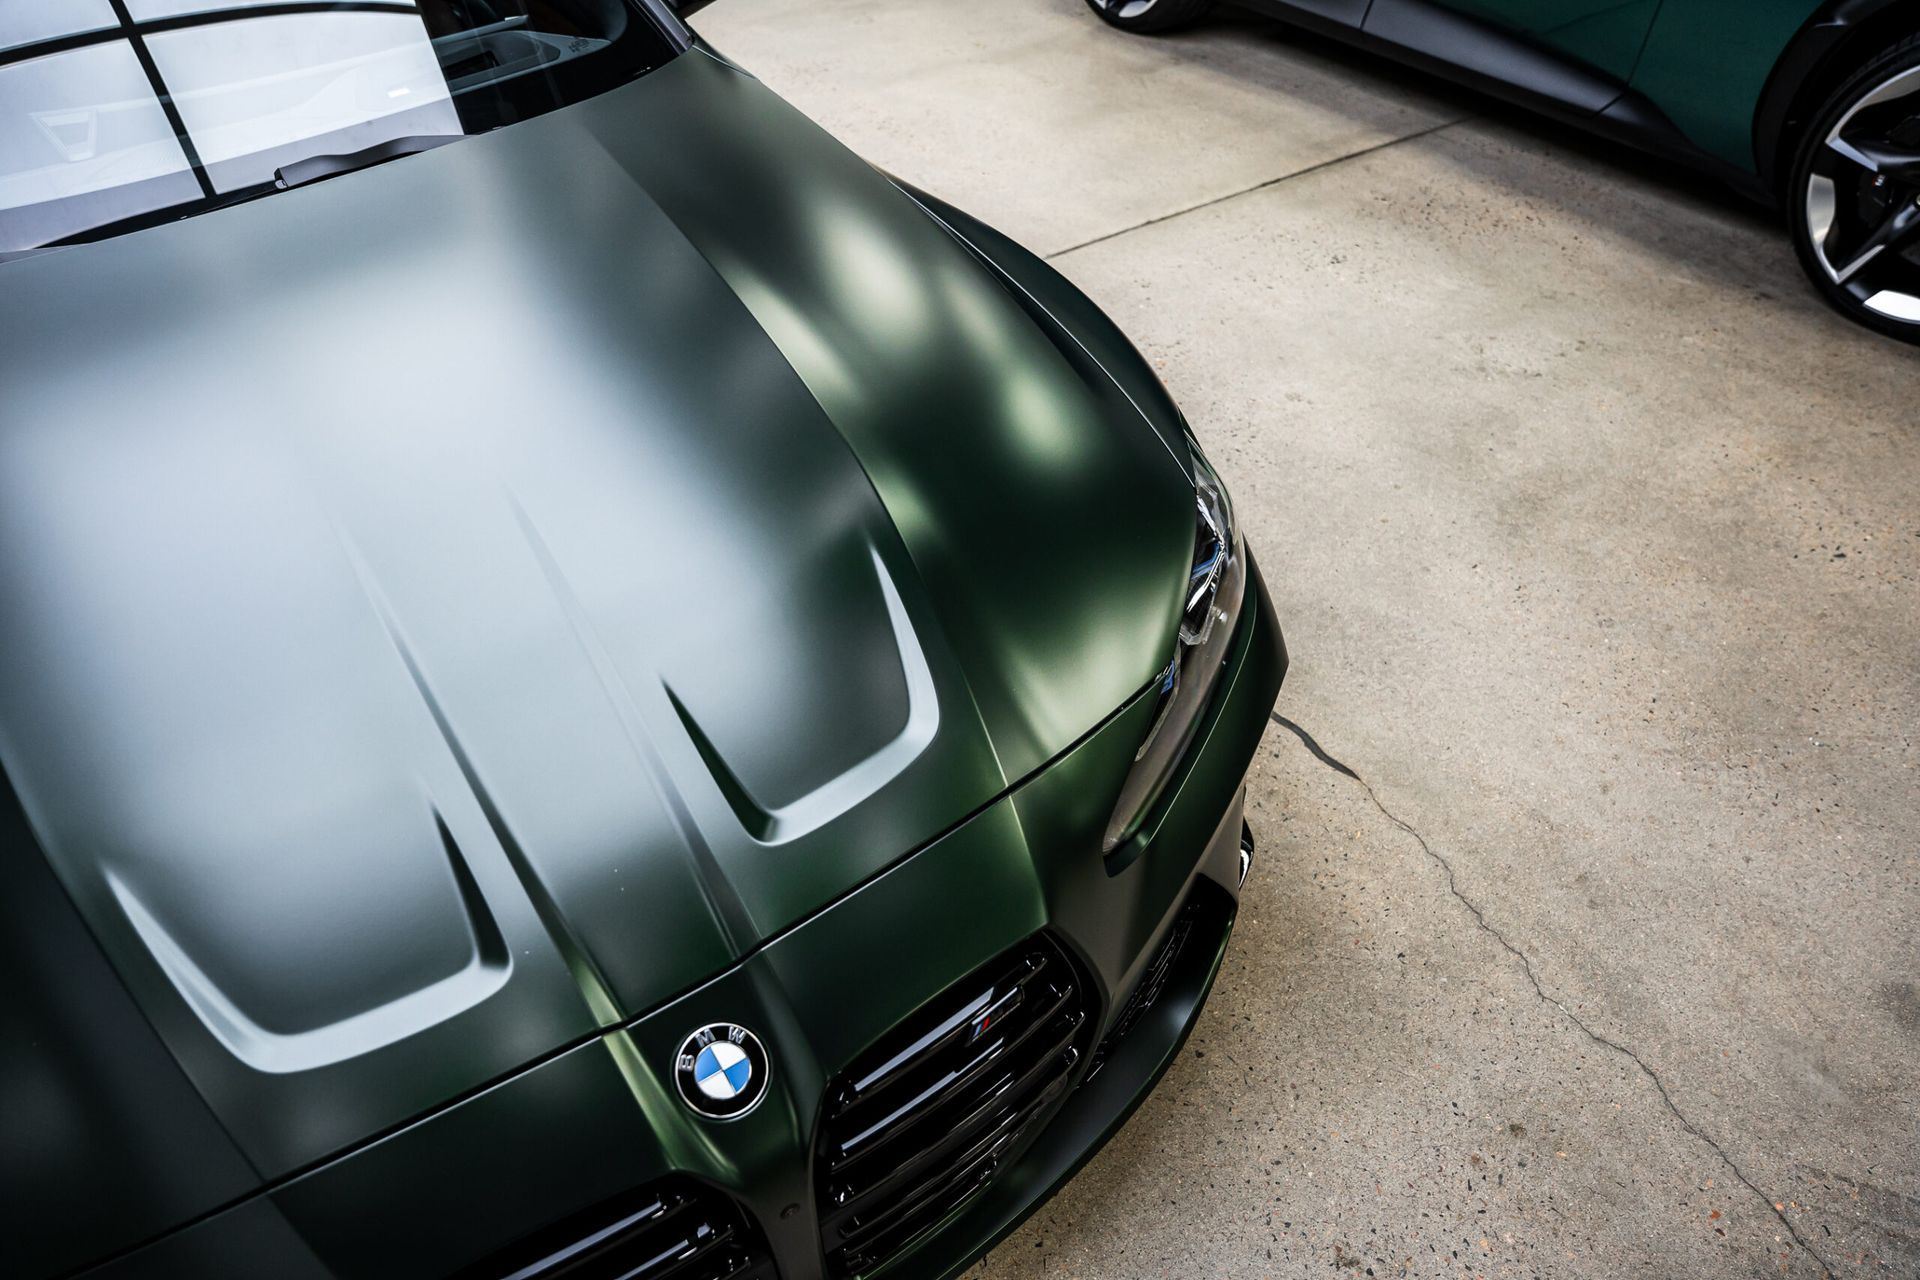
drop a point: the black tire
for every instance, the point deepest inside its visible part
(1149, 17)
(1855, 185)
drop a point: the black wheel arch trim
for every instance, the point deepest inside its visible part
(1813, 60)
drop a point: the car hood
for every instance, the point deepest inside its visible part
(449, 610)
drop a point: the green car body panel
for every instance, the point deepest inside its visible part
(469, 624)
(1604, 34)
(1721, 85)
(1719, 108)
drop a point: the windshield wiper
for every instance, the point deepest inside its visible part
(320, 168)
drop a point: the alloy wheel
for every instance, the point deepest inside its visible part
(1863, 200)
(1148, 17)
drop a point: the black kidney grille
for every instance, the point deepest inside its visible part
(924, 1119)
(674, 1230)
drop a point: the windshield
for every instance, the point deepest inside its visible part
(117, 114)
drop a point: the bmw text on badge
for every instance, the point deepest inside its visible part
(722, 1071)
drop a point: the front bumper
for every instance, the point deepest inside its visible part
(586, 1125)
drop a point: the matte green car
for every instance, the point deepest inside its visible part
(626, 697)
(1813, 105)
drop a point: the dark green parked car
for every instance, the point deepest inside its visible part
(1810, 104)
(626, 697)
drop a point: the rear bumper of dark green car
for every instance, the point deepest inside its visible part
(521, 1171)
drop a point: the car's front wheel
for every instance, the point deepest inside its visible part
(1149, 16)
(1855, 201)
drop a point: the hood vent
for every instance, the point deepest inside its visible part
(923, 1120)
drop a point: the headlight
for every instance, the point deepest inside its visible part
(1215, 587)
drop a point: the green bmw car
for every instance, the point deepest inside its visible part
(589, 686)
(1810, 105)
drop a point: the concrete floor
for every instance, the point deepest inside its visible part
(1598, 954)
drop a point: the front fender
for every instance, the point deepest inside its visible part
(1054, 302)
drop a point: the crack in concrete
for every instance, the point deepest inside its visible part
(1533, 979)
(1289, 176)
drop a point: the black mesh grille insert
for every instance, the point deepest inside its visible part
(1150, 985)
(922, 1120)
(673, 1230)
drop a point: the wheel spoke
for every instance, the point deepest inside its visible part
(1892, 160)
(1842, 147)
(1893, 233)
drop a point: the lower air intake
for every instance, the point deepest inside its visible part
(673, 1230)
(921, 1121)
(1150, 985)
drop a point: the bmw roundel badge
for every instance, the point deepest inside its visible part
(722, 1071)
